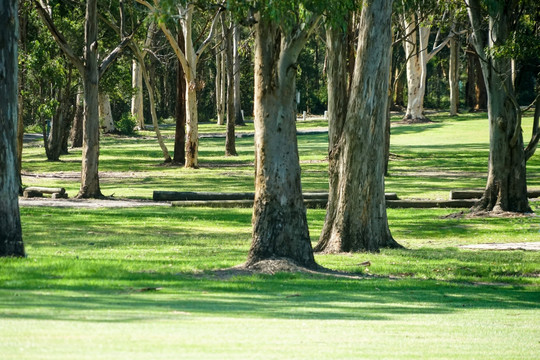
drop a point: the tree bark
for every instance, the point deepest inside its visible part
(280, 227)
(90, 153)
(180, 132)
(76, 132)
(356, 213)
(11, 242)
(239, 118)
(506, 188)
(105, 113)
(475, 88)
(230, 146)
(453, 77)
(220, 82)
(137, 106)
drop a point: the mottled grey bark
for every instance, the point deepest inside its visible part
(506, 188)
(11, 243)
(280, 227)
(356, 214)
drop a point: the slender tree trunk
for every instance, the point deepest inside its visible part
(137, 105)
(506, 188)
(475, 89)
(180, 133)
(77, 129)
(453, 77)
(230, 146)
(239, 118)
(54, 140)
(11, 243)
(90, 152)
(280, 227)
(356, 213)
(105, 113)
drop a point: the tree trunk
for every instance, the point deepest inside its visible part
(180, 132)
(475, 88)
(415, 52)
(220, 81)
(279, 221)
(11, 243)
(506, 188)
(239, 118)
(356, 213)
(105, 113)
(54, 140)
(230, 147)
(137, 105)
(90, 152)
(192, 125)
(76, 132)
(453, 77)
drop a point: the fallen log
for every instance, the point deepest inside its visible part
(477, 194)
(321, 203)
(208, 196)
(46, 190)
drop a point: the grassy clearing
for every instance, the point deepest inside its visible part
(430, 160)
(80, 294)
(141, 283)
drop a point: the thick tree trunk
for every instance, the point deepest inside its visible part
(11, 243)
(453, 77)
(230, 146)
(76, 132)
(137, 106)
(90, 152)
(179, 156)
(105, 113)
(280, 227)
(356, 214)
(239, 118)
(506, 188)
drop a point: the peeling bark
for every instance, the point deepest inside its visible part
(356, 213)
(137, 106)
(11, 242)
(105, 113)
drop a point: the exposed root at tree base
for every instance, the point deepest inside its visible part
(274, 266)
(487, 214)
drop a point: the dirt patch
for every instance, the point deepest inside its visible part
(526, 246)
(89, 203)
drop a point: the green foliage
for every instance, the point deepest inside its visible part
(126, 124)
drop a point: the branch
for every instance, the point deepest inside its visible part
(206, 42)
(58, 37)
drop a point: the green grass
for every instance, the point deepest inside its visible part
(79, 294)
(75, 296)
(430, 160)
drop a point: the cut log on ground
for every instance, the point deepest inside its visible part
(477, 194)
(321, 203)
(209, 196)
(46, 190)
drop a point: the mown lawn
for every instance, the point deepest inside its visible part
(147, 283)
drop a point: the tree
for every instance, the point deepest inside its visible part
(91, 71)
(11, 242)
(417, 53)
(239, 118)
(230, 145)
(280, 227)
(356, 212)
(189, 58)
(506, 188)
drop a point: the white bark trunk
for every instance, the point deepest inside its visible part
(105, 114)
(137, 106)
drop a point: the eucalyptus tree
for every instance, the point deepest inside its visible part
(11, 243)
(356, 217)
(91, 70)
(228, 29)
(417, 20)
(497, 38)
(280, 228)
(188, 56)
